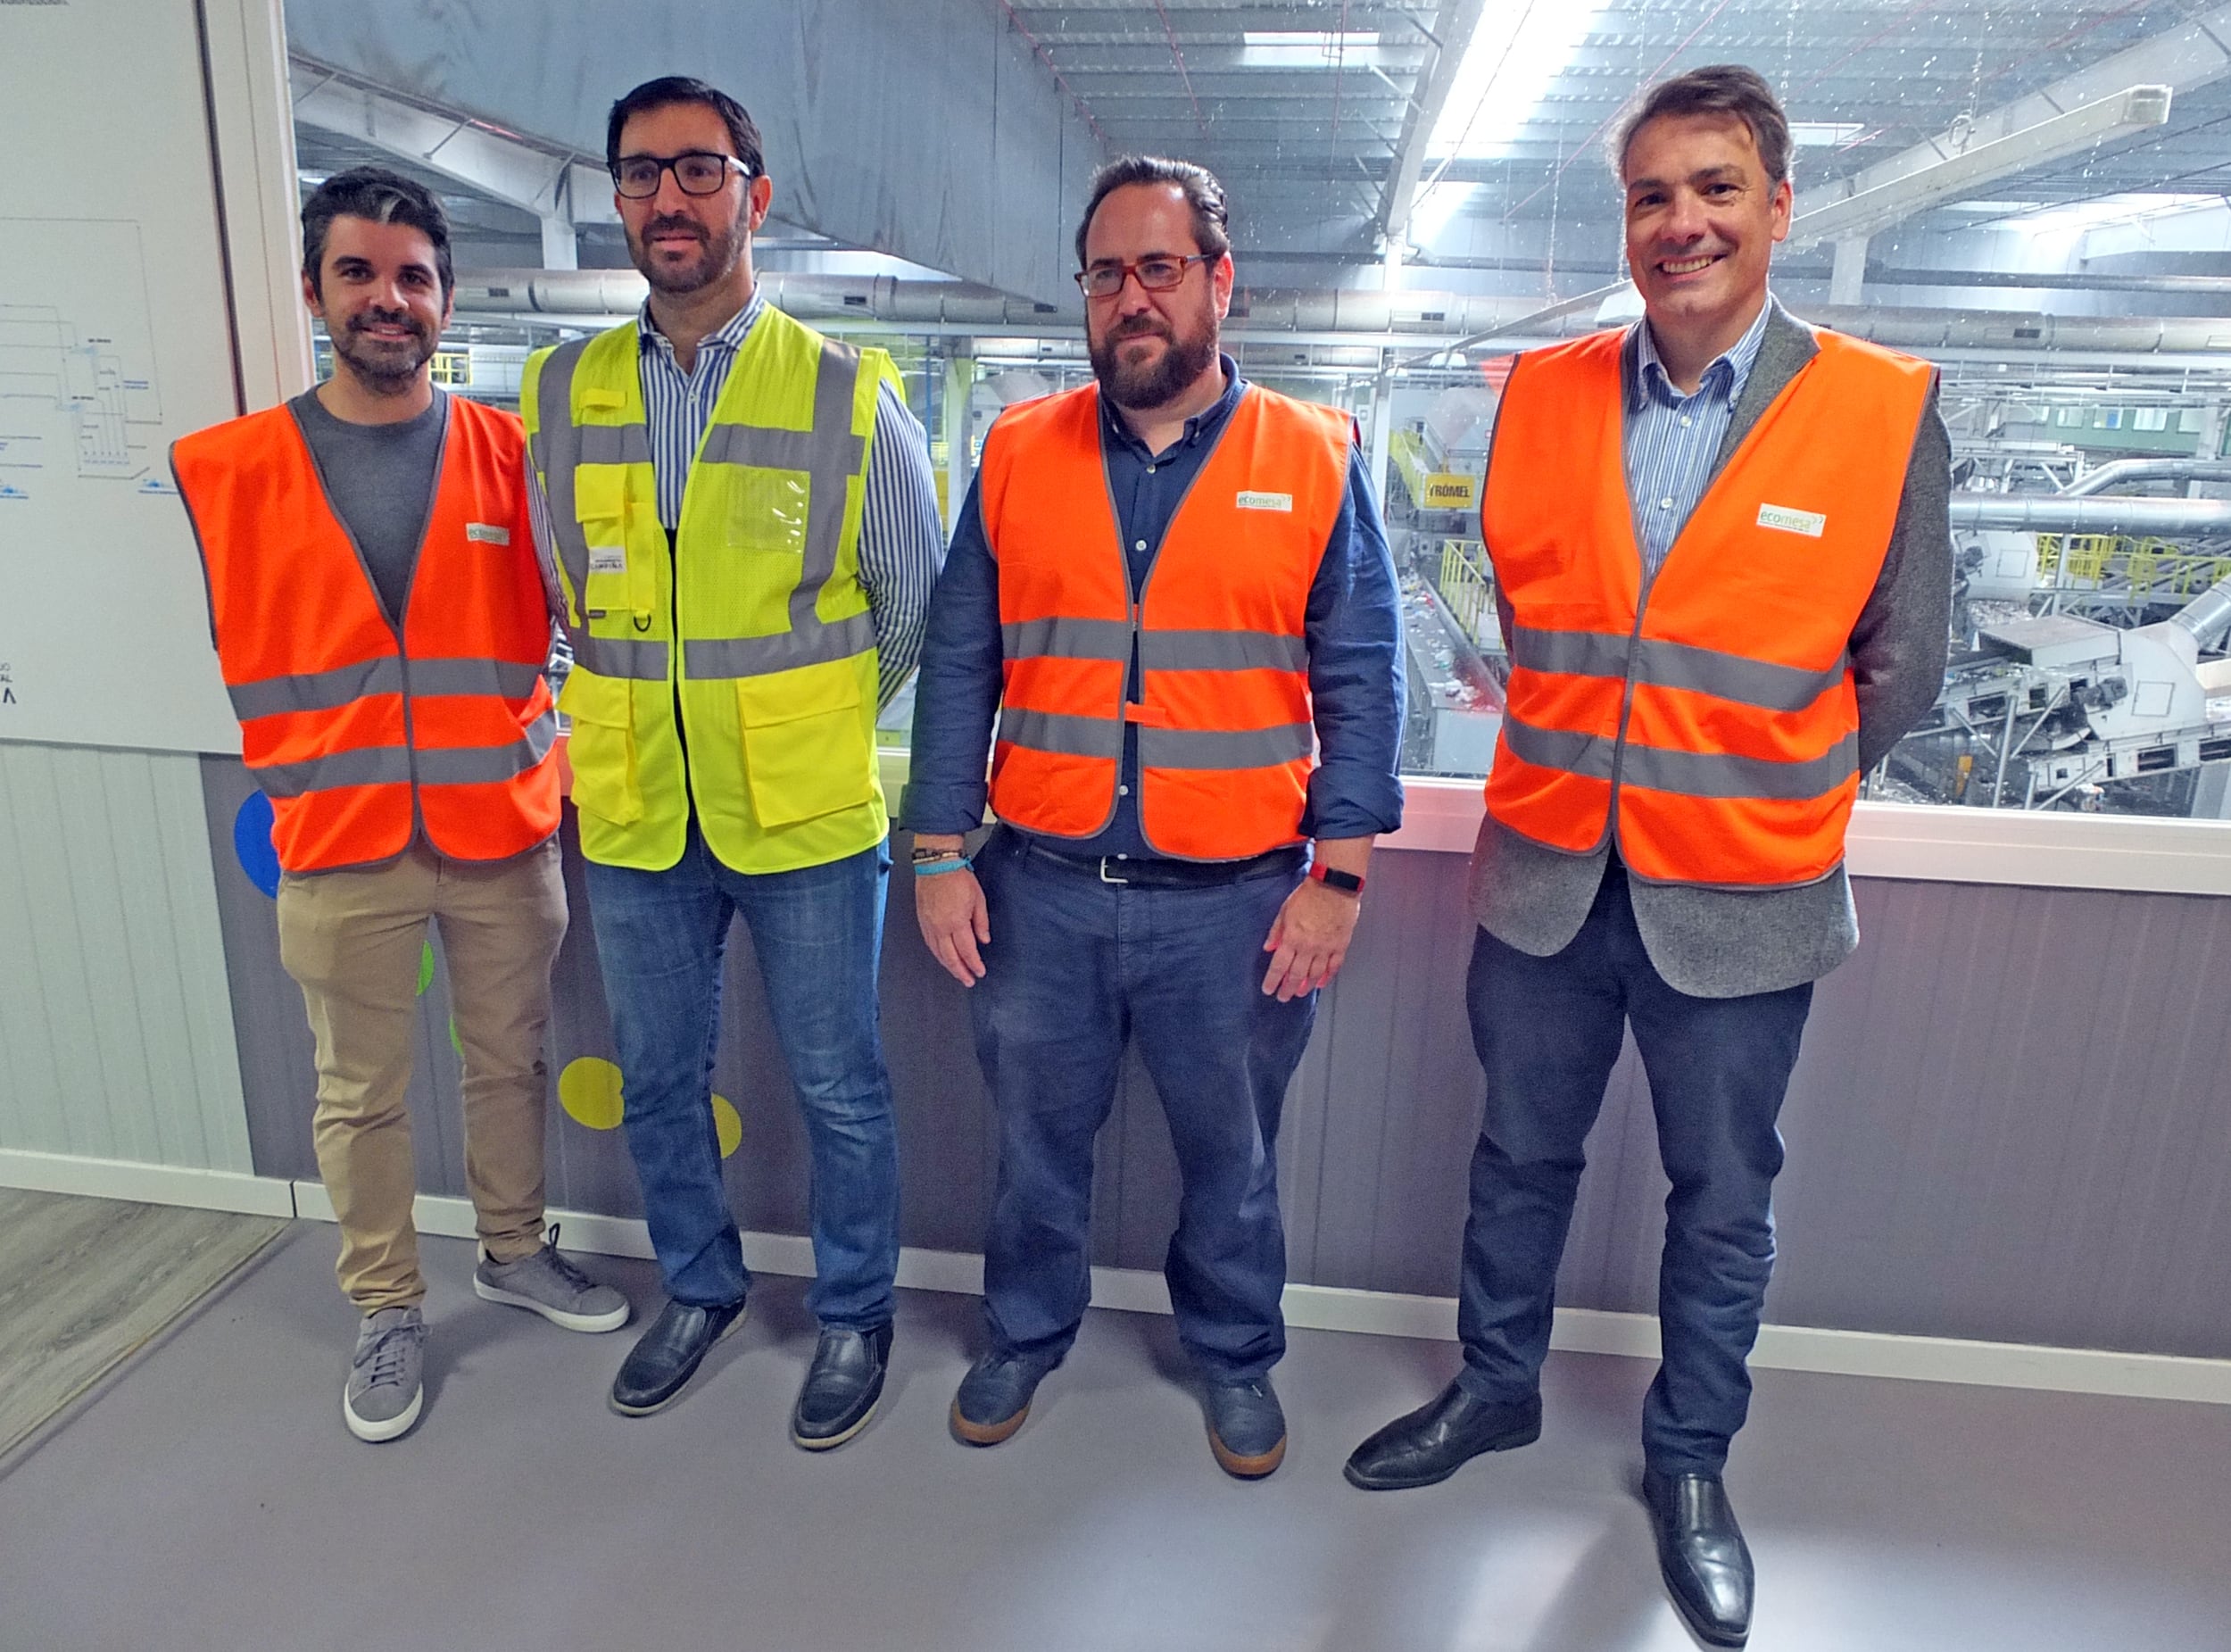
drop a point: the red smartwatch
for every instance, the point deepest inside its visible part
(1347, 882)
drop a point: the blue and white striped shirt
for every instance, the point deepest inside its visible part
(1672, 439)
(902, 541)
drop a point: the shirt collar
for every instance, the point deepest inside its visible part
(1201, 423)
(1723, 378)
(729, 336)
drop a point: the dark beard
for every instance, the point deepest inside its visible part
(1143, 389)
(384, 369)
(709, 267)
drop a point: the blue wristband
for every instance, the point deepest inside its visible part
(930, 869)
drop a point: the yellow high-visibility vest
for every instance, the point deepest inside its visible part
(756, 625)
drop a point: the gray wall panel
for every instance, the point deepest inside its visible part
(115, 1033)
(2010, 1120)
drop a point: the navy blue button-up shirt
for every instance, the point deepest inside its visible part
(1352, 629)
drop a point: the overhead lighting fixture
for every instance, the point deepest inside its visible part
(1281, 48)
(1519, 48)
(2081, 217)
(1437, 206)
(1824, 134)
(1874, 206)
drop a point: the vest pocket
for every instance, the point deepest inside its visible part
(602, 748)
(804, 752)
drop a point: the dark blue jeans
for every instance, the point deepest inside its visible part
(818, 933)
(1547, 1031)
(1074, 968)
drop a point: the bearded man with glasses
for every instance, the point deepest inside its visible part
(745, 525)
(1172, 588)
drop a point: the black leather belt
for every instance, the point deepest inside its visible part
(1159, 874)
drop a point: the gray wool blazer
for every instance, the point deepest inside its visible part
(1724, 943)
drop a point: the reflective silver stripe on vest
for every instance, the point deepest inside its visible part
(1219, 748)
(612, 445)
(829, 454)
(367, 765)
(1687, 774)
(505, 677)
(1673, 665)
(456, 765)
(316, 691)
(1059, 638)
(619, 656)
(704, 659)
(1061, 734)
(1221, 651)
(558, 455)
(1067, 638)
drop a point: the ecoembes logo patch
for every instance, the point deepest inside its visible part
(1250, 501)
(1810, 523)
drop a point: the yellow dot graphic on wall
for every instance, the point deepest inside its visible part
(589, 1092)
(729, 1122)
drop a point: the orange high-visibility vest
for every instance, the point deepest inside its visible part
(1225, 740)
(353, 727)
(1706, 716)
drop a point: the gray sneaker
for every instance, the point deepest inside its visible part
(382, 1400)
(546, 1283)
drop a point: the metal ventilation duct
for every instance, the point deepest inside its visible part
(2121, 472)
(2058, 513)
(595, 293)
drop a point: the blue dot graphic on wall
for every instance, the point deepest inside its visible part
(251, 844)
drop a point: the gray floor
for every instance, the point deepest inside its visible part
(85, 1282)
(207, 1497)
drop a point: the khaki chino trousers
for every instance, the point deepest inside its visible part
(352, 941)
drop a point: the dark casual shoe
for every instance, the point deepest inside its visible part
(668, 1354)
(1701, 1552)
(842, 1387)
(1435, 1440)
(993, 1399)
(544, 1283)
(383, 1391)
(1246, 1430)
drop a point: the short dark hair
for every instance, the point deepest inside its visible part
(385, 197)
(668, 90)
(1720, 89)
(1212, 219)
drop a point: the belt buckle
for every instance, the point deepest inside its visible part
(1103, 872)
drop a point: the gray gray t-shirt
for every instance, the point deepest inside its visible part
(380, 479)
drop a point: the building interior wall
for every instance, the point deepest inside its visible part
(2004, 1125)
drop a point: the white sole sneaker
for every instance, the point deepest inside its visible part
(611, 1321)
(394, 1428)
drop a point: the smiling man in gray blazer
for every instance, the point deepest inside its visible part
(1723, 572)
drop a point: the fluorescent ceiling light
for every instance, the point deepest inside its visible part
(1889, 192)
(1435, 206)
(2081, 216)
(1824, 134)
(1289, 37)
(1520, 46)
(1301, 49)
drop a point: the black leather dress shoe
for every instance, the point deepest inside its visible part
(842, 1387)
(1701, 1552)
(668, 1355)
(1435, 1440)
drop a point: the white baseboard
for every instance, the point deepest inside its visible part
(1316, 1308)
(146, 1185)
(1385, 1312)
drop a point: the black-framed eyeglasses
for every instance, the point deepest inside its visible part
(1156, 274)
(697, 172)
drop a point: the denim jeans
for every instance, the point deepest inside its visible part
(818, 933)
(1547, 1031)
(1075, 967)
